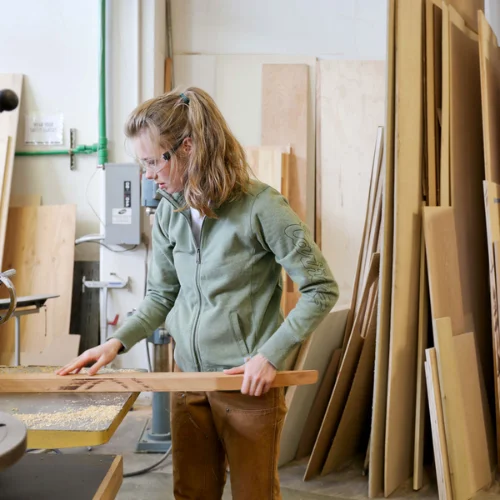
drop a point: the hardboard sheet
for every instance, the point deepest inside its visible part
(351, 109)
(40, 246)
(377, 437)
(400, 420)
(323, 342)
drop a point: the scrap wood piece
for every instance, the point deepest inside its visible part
(313, 355)
(141, 382)
(343, 382)
(8, 132)
(422, 343)
(41, 248)
(443, 266)
(466, 416)
(318, 407)
(467, 168)
(437, 426)
(377, 437)
(407, 226)
(357, 411)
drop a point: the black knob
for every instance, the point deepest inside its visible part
(8, 100)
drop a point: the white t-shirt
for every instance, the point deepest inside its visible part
(196, 222)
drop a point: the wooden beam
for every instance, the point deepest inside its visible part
(141, 382)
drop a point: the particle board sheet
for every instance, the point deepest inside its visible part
(8, 133)
(323, 342)
(377, 437)
(433, 88)
(422, 344)
(489, 59)
(351, 433)
(437, 426)
(400, 419)
(467, 168)
(351, 106)
(284, 121)
(465, 411)
(318, 407)
(344, 380)
(40, 246)
(443, 266)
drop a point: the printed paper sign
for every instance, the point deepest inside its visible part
(121, 216)
(44, 129)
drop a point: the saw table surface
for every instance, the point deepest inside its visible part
(62, 420)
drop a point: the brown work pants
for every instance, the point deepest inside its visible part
(210, 428)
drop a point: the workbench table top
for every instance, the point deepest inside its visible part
(64, 420)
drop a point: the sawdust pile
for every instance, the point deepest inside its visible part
(95, 418)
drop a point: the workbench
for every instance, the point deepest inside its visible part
(66, 420)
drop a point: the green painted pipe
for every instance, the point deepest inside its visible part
(102, 152)
(79, 150)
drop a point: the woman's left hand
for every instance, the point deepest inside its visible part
(259, 375)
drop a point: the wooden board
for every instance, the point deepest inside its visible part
(433, 45)
(443, 266)
(8, 133)
(400, 418)
(323, 342)
(141, 382)
(351, 110)
(444, 168)
(422, 344)
(284, 121)
(357, 411)
(40, 246)
(377, 437)
(464, 412)
(343, 383)
(23, 200)
(318, 407)
(437, 426)
(467, 168)
(112, 482)
(468, 9)
(270, 165)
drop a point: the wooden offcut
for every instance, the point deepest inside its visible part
(141, 382)
(40, 246)
(400, 417)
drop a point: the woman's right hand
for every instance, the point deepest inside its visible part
(101, 355)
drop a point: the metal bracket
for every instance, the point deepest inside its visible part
(72, 146)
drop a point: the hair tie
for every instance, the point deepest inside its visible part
(184, 99)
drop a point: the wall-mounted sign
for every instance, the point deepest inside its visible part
(44, 129)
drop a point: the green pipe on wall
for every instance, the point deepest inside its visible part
(102, 153)
(79, 150)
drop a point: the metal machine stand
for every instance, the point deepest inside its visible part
(156, 437)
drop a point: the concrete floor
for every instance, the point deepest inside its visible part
(157, 484)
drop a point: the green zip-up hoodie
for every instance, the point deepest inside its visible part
(221, 300)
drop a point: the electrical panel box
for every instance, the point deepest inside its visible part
(122, 190)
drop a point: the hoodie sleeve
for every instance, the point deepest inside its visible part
(162, 290)
(280, 230)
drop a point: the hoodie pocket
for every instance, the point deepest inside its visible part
(238, 335)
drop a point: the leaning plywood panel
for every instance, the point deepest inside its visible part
(352, 108)
(467, 175)
(437, 426)
(8, 132)
(40, 246)
(468, 9)
(405, 280)
(377, 437)
(324, 340)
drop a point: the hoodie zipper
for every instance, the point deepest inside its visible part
(196, 353)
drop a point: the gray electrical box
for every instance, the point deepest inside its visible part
(122, 188)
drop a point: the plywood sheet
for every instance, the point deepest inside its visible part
(400, 418)
(437, 426)
(318, 407)
(377, 437)
(467, 168)
(357, 411)
(344, 379)
(352, 108)
(468, 9)
(23, 200)
(444, 180)
(40, 246)
(8, 133)
(269, 165)
(323, 341)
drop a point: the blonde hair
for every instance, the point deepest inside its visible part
(216, 171)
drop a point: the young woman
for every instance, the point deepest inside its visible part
(219, 242)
